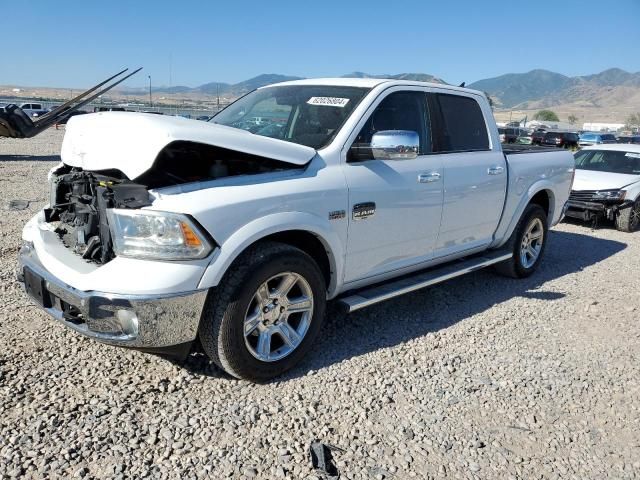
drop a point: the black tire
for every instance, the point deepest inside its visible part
(222, 327)
(628, 219)
(515, 267)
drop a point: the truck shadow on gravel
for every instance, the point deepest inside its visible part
(29, 158)
(436, 308)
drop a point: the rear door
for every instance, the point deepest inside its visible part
(475, 176)
(401, 199)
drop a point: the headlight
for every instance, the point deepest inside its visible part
(609, 195)
(156, 235)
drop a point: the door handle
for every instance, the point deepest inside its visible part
(495, 170)
(428, 177)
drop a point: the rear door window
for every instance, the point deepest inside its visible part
(460, 124)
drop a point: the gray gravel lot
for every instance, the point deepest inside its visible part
(482, 377)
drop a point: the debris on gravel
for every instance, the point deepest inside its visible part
(480, 377)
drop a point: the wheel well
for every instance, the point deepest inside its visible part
(308, 243)
(542, 198)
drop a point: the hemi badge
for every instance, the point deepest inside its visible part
(337, 214)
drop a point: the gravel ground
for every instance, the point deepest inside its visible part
(482, 377)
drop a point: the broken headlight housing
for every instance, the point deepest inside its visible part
(609, 195)
(156, 235)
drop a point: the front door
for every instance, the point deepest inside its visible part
(394, 205)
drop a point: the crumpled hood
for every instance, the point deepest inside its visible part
(591, 180)
(130, 142)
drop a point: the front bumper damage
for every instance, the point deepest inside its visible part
(594, 211)
(165, 324)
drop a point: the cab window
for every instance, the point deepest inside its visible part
(460, 125)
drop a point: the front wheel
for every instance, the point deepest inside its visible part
(527, 243)
(265, 314)
(628, 219)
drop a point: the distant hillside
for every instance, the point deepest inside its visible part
(241, 88)
(237, 89)
(419, 77)
(611, 95)
(542, 88)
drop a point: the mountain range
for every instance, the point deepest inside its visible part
(530, 90)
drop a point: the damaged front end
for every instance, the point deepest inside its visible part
(596, 205)
(78, 208)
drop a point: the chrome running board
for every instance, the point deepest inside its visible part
(424, 278)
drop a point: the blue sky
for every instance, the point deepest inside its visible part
(73, 43)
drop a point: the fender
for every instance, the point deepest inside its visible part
(262, 227)
(504, 231)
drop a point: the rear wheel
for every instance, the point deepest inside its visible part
(527, 243)
(265, 314)
(628, 219)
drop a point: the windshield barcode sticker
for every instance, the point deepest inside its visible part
(328, 101)
(632, 155)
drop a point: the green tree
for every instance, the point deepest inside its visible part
(546, 116)
(633, 121)
(573, 119)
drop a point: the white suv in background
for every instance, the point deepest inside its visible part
(607, 185)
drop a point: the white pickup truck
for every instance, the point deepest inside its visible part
(163, 231)
(33, 109)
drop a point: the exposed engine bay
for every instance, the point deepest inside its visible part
(184, 162)
(78, 206)
(79, 199)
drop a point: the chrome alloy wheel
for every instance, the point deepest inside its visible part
(278, 317)
(532, 243)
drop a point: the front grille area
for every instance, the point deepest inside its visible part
(582, 195)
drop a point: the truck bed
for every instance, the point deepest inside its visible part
(513, 149)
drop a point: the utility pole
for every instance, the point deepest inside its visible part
(150, 99)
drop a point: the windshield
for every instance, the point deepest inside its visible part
(306, 114)
(609, 161)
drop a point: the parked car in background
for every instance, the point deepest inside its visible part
(629, 139)
(524, 140)
(561, 139)
(109, 109)
(607, 185)
(537, 136)
(510, 134)
(161, 231)
(33, 109)
(593, 138)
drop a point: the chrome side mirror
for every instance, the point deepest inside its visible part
(395, 145)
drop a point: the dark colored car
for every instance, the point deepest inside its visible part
(561, 139)
(537, 136)
(629, 139)
(109, 109)
(510, 134)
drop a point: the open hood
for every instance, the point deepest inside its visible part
(130, 142)
(592, 180)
